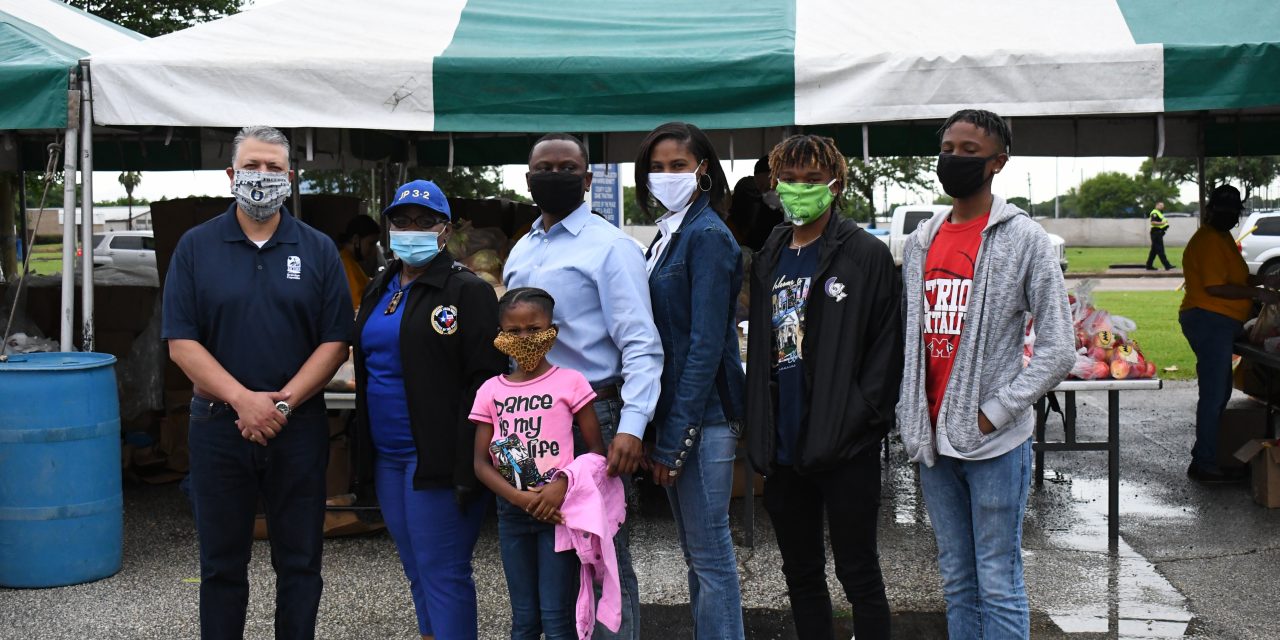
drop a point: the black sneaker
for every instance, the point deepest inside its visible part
(1150, 268)
(1208, 477)
(1170, 268)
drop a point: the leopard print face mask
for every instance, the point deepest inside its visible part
(528, 351)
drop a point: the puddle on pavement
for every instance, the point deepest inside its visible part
(1126, 596)
(905, 499)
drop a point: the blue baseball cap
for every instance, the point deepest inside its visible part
(420, 192)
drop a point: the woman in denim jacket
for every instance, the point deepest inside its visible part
(695, 274)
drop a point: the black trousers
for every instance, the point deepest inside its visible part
(228, 474)
(1157, 249)
(850, 497)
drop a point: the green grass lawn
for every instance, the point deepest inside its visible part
(1159, 335)
(1096, 259)
(46, 259)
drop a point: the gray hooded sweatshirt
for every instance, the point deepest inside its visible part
(1016, 277)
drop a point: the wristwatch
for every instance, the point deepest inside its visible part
(284, 408)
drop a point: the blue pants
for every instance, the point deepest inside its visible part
(700, 503)
(543, 583)
(435, 540)
(1210, 335)
(976, 507)
(228, 475)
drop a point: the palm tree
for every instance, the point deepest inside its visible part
(130, 179)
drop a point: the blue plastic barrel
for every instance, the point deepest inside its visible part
(61, 510)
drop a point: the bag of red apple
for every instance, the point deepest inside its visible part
(1087, 368)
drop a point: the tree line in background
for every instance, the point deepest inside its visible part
(1109, 194)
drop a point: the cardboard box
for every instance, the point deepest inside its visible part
(1244, 420)
(1264, 457)
(740, 469)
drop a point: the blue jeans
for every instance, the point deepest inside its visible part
(1210, 335)
(976, 507)
(608, 413)
(543, 583)
(228, 474)
(435, 540)
(700, 503)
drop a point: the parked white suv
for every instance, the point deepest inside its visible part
(125, 250)
(1261, 249)
(907, 218)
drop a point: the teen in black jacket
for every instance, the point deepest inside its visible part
(824, 363)
(852, 350)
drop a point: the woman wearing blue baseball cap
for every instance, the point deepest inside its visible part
(423, 345)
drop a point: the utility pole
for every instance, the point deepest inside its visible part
(1031, 204)
(1056, 191)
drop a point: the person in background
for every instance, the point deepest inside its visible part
(596, 274)
(356, 245)
(822, 378)
(695, 273)
(971, 276)
(755, 210)
(423, 345)
(524, 437)
(255, 314)
(1159, 226)
(1219, 298)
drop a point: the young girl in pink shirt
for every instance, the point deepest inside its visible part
(524, 435)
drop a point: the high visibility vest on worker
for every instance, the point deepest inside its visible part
(1158, 221)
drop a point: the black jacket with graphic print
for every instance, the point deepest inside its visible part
(851, 349)
(443, 369)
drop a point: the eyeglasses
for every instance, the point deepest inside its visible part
(402, 221)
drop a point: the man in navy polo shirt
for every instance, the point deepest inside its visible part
(257, 314)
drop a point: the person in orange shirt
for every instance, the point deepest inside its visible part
(358, 241)
(1219, 299)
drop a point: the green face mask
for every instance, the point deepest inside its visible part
(803, 202)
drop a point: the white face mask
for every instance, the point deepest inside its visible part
(260, 194)
(673, 190)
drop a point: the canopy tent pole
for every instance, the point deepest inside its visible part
(1200, 166)
(24, 241)
(86, 241)
(69, 215)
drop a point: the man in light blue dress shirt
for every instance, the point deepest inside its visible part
(597, 275)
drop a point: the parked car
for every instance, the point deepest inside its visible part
(126, 250)
(907, 218)
(1261, 249)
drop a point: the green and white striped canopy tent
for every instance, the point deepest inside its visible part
(41, 43)
(1087, 77)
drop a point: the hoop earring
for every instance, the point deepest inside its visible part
(706, 187)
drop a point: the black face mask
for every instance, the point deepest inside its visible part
(963, 176)
(556, 192)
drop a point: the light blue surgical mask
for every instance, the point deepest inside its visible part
(415, 248)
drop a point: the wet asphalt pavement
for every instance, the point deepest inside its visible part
(1193, 561)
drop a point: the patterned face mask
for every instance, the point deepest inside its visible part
(529, 350)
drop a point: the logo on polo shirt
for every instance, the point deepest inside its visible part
(293, 268)
(445, 320)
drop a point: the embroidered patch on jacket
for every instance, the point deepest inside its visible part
(835, 289)
(293, 268)
(445, 320)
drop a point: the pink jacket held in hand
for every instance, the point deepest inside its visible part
(594, 508)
